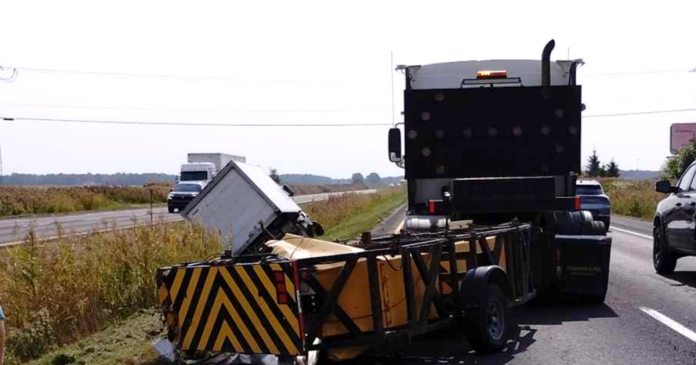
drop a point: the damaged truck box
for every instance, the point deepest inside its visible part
(248, 208)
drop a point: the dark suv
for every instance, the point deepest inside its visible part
(673, 231)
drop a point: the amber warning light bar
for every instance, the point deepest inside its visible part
(487, 75)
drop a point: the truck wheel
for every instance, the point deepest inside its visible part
(487, 326)
(664, 261)
(170, 209)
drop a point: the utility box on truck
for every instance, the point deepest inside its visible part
(247, 208)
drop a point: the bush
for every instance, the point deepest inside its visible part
(54, 293)
(632, 198)
(21, 200)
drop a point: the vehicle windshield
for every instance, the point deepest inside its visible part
(588, 190)
(188, 188)
(194, 175)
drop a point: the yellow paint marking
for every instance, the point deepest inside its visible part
(163, 293)
(253, 316)
(399, 227)
(177, 283)
(225, 333)
(212, 272)
(268, 313)
(289, 315)
(211, 320)
(190, 290)
(289, 285)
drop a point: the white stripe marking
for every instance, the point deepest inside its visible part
(669, 322)
(631, 232)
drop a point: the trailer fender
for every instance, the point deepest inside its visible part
(475, 282)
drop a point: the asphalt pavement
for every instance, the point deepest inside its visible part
(646, 319)
(14, 230)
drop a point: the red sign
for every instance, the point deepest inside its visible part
(681, 134)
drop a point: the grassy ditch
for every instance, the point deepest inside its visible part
(636, 199)
(57, 293)
(348, 215)
(27, 200)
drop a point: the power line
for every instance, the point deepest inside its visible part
(629, 73)
(639, 113)
(281, 125)
(193, 109)
(189, 124)
(190, 78)
(234, 79)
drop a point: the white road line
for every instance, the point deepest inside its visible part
(631, 232)
(669, 322)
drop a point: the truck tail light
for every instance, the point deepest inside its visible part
(431, 207)
(577, 203)
(281, 289)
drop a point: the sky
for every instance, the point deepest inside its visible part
(311, 62)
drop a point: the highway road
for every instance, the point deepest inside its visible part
(646, 319)
(13, 230)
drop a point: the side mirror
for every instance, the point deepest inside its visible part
(664, 186)
(394, 145)
(170, 190)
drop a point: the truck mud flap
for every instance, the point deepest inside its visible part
(582, 264)
(242, 308)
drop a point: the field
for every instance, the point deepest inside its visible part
(58, 292)
(632, 198)
(27, 200)
(319, 189)
(348, 215)
(90, 299)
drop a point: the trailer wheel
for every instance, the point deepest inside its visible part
(487, 325)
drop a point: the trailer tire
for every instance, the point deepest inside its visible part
(487, 325)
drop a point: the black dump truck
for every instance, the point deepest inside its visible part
(492, 152)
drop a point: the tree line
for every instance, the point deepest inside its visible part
(595, 168)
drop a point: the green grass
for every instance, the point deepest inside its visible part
(366, 218)
(636, 199)
(56, 294)
(125, 342)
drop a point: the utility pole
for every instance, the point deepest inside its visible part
(12, 77)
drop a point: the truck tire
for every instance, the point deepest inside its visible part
(487, 326)
(170, 209)
(664, 261)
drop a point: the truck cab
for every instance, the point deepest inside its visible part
(198, 171)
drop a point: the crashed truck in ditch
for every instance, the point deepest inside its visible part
(492, 156)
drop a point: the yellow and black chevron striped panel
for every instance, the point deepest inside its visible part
(232, 308)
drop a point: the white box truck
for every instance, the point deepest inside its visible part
(204, 166)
